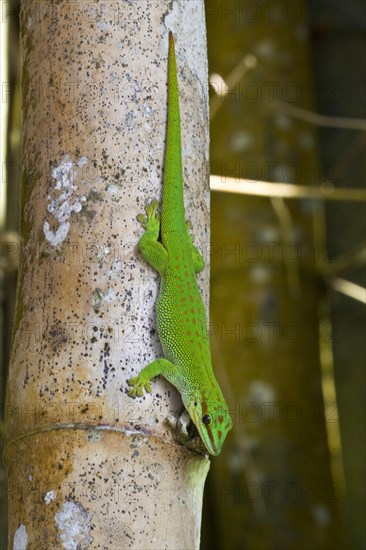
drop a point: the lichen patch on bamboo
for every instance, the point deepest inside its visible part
(20, 540)
(74, 525)
(49, 497)
(63, 199)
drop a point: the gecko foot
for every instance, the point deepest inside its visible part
(139, 384)
(152, 218)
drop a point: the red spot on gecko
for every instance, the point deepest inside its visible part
(219, 433)
(188, 333)
(220, 419)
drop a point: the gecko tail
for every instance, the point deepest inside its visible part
(173, 202)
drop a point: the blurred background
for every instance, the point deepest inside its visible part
(287, 103)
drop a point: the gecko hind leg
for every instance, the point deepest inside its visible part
(152, 250)
(198, 261)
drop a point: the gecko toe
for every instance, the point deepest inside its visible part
(142, 219)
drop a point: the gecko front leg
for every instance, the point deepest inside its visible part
(142, 381)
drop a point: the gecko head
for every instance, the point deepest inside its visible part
(212, 420)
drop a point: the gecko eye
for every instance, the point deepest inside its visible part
(206, 419)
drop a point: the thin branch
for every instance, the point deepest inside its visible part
(223, 86)
(351, 260)
(351, 153)
(349, 289)
(287, 230)
(319, 120)
(285, 190)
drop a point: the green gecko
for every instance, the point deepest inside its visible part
(181, 318)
